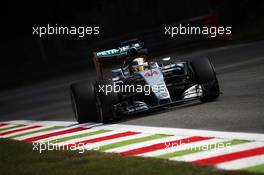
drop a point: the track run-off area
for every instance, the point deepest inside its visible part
(224, 150)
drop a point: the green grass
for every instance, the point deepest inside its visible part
(257, 169)
(19, 158)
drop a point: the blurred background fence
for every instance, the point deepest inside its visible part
(26, 58)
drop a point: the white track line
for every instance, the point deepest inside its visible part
(190, 146)
(218, 152)
(153, 130)
(7, 126)
(242, 163)
(45, 132)
(13, 129)
(106, 142)
(54, 123)
(143, 144)
(67, 135)
(22, 132)
(186, 132)
(48, 123)
(88, 138)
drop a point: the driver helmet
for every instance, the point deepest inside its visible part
(133, 53)
(137, 65)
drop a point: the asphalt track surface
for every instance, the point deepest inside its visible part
(240, 70)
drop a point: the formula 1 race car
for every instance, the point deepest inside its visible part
(139, 85)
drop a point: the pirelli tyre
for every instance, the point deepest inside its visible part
(83, 101)
(206, 77)
(107, 101)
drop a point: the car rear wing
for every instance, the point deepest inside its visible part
(120, 52)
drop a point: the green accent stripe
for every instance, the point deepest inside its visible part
(202, 148)
(131, 141)
(64, 139)
(36, 131)
(256, 169)
(12, 127)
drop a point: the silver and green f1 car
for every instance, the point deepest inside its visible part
(140, 85)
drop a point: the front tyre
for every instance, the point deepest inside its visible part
(107, 101)
(206, 77)
(84, 102)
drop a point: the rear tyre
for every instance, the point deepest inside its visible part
(84, 102)
(206, 77)
(107, 101)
